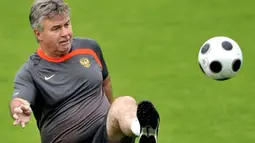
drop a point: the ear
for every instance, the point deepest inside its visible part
(38, 35)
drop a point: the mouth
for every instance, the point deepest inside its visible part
(64, 42)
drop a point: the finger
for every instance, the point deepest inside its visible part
(26, 109)
(15, 116)
(18, 110)
(23, 124)
(16, 122)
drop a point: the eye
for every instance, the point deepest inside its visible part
(55, 28)
(67, 24)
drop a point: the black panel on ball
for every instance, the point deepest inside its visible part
(215, 67)
(236, 65)
(227, 45)
(205, 48)
(201, 68)
(223, 79)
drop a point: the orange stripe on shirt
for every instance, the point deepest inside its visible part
(69, 55)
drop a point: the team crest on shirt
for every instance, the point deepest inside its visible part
(85, 62)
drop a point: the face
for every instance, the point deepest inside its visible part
(56, 37)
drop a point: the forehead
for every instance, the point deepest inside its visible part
(59, 19)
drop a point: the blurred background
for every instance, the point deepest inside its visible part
(151, 48)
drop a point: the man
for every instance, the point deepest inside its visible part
(66, 85)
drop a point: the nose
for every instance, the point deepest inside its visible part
(64, 32)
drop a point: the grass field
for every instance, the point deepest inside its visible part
(151, 49)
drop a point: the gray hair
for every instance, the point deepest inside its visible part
(42, 9)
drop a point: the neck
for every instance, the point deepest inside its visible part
(51, 54)
(48, 54)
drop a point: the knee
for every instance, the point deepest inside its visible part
(124, 100)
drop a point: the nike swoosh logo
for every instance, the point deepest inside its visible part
(47, 78)
(16, 94)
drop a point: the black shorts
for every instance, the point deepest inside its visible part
(101, 136)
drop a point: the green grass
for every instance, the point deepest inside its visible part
(151, 49)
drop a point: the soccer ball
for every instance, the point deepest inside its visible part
(220, 58)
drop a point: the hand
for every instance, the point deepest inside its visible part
(22, 115)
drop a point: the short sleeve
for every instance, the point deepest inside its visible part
(101, 58)
(23, 85)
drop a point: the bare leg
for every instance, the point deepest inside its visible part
(124, 112)
(120, 117)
